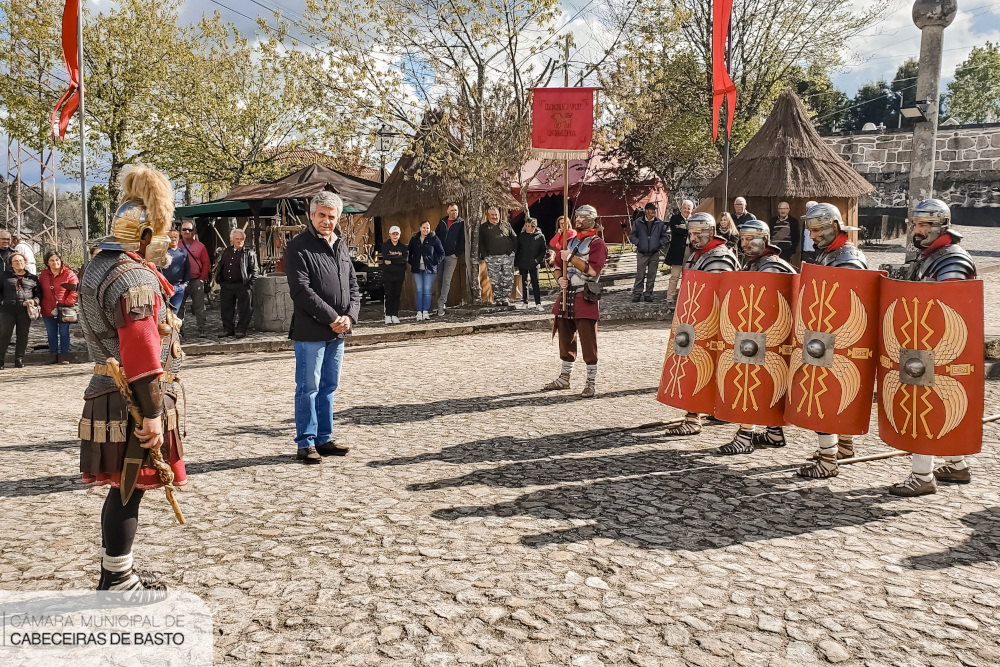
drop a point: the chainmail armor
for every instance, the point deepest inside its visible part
(97, 295)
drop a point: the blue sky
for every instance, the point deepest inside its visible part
(872, 56)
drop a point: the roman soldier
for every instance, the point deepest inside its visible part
(940, 259)
(126, 318)
(577, 314)
(760, 255)
(834, 248)
(709, 253)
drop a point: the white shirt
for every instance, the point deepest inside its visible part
(807, 242)
(29, 255)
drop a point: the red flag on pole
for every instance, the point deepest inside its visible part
(722, 83)
(562, 123)
(68, 103)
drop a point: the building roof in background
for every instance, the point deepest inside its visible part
(546, 176)
(356, 192)
(787, 158)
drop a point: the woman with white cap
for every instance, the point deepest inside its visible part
(394, 256)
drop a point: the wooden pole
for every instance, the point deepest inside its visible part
(565, 266)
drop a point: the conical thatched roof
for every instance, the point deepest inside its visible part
(787, 158)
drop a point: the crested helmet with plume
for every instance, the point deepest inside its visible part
(147, 204)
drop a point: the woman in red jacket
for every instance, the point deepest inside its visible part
(54, 280)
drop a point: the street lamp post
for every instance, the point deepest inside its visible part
(384, 144)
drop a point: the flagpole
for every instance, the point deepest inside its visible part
(565, 187)
(83, 134)
(725, 159)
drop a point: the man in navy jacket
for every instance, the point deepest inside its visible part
(650, 236)
(451, 231)
(324, 291)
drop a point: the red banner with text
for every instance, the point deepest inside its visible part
(562, 123)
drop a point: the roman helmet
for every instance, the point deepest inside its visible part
(824, 218)
(755, 238)
(701, 229)
(937, 214)
(147, 205)
(587, 215)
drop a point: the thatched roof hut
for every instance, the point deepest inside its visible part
(406, 200)
(788, 161)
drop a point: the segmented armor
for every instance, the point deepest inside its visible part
(847, 256)
(950, 262)
(715, 260)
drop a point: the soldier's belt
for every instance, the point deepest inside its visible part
(102, 369)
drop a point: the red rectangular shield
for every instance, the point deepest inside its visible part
(755, 325)
(687, 380)
(930, 368)
(832, 371)
(562, 122)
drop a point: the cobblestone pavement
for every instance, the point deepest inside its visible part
(479, 521)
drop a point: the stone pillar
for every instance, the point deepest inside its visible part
(932, 17)
(272, 305)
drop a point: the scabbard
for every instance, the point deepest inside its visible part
(135, 456)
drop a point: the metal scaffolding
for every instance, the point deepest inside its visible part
(30, 208)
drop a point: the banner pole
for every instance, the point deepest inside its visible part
(725, 163)
(83, 135)
(565, 266)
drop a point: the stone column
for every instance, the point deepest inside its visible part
(932, 17)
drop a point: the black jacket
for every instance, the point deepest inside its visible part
(498, 239)
(249, 267)
(531, 249)
(452, 238)
(649, 237)
(678, 240)
(394, 260)
(12, 298)
(322, 284)
(430, 249)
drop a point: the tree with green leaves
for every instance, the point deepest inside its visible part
(873, 103)
(235, 105)
(826, 104)
(974, 94)
(468, 64)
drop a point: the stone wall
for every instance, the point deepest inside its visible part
(967, 171)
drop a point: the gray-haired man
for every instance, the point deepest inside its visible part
(236, 273)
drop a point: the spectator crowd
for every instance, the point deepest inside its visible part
(431, 256)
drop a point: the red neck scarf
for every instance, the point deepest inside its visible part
(167, 287)
(713, 243)
(589, 232)
(942, 241)
(837, 242)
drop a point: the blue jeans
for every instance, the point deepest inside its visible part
(424, 282)
(317, 374)
(58, 333)
(177, 299)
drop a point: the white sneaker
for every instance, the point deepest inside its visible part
(420, 315)
(540, 308)
(395, 320)
(388, 319)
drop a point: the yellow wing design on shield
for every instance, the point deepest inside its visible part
(954, 338)
(778, 370)
(892, 346)
(726, 361)
(849, 377)
(727, 328)
(709, 326)
(777, 334)
(702, 361)
(795, 363)
(890, 385)
(850, 332)
(956, 401)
